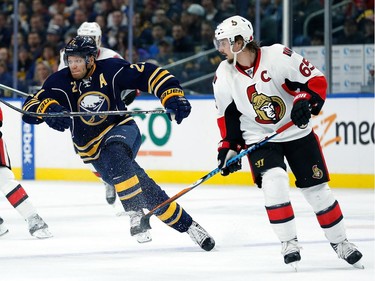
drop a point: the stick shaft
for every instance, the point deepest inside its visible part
(217, 170)
(87, 113)
(18, 92)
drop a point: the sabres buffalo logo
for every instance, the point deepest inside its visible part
(269, 109)
(93, 102)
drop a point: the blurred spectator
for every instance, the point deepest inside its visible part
(6, 57)
(226, 9)
(54, 37)
(87, 7)
(60, 21)
(142, 31)
(368, 31)
(38, 8)
(165, 55)
(195, 16)
(350, 34)
(210, 9)
(5, 75)
(115, 27)
(23, 17)
(158, 34)
(38, 25)
(34, 42)
(24, 64)
(5, 31)
(182, 43)
(42, 71)
(59, 7)
(79, 17)
(161, 18)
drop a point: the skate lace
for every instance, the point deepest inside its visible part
(344, 249)
(290, 246)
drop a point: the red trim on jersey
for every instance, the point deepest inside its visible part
(1, 115)
(97, 174)
(4, 159)
(222, 126)
(330, 216)
(280, 213)
(322, 156)
(318, 84)
(17, 196)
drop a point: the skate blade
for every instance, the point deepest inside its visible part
(3, 232)
(294, 265)
(358, 265)
(144, 237)
(42, 234)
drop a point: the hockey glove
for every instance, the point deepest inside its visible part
(227, 151)
(301, 111)
(57, 123)
(173, 99)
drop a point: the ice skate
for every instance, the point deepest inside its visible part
(348, 252)
(3, 228)
(110, 193)
(135, 219)
(291, 252)
(201, 237)
(38, 228)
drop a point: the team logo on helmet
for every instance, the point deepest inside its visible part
(269, 109)
(317, 173)
(93, 102)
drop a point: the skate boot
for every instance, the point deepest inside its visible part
(3, 228)
(348, 252)
(201, 237)
(290, 250)
(37, 227)
(110, 193)
(135, 220)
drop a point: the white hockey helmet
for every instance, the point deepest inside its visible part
(230, 28)
(91, 29)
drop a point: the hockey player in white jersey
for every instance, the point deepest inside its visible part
(17, 196)
(93, 29)
(257, 90)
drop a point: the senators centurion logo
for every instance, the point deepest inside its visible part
(269, 109)
(93, 102)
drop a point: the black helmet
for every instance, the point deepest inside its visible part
(82, 46)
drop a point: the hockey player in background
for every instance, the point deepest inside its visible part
(93, 29)
(111, 142)
(17, 196)
(257, 90)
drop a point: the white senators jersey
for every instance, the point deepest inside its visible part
(260, 95)
(103, 53)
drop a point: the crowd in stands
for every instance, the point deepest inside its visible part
(164, 31)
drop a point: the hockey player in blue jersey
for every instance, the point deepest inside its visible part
(111, 142)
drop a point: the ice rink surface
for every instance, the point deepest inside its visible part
(91, 243)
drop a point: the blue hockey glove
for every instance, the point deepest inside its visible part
(57, 123)
(180, 106)
(301, 111)
(227, 151)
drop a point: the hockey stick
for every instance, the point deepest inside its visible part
(87, 113)
(145, 220)
(4, 87)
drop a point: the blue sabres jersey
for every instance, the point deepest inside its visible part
(101, 91)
